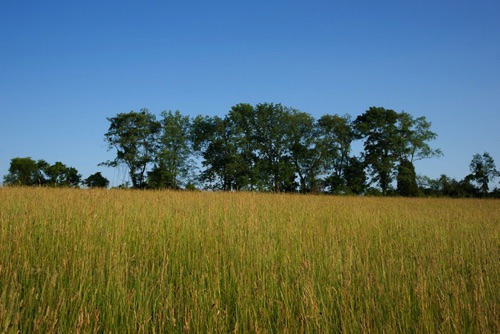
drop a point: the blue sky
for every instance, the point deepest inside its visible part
(65, 66)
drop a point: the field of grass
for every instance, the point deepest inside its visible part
(149, 261)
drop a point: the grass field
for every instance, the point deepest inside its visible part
(165, 262)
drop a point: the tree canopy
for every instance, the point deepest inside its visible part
(28, 172)
(96, 180)
(133, 136)
(483, 170)
(270, 147)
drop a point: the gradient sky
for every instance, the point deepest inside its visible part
(66, 65)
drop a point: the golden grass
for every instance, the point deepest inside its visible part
(155, 261)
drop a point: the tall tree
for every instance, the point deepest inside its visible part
(241, 120)
(412, 145)
(305, 150)
(483, 171)
(414, 137)
(337, 134)
(212, 139)
(378, 127)
(272, 140)
(173, 157)
(133, 136)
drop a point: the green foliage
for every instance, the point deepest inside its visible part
(212, 137)
(378, 127)
(273, 135)
(59, 175)
(355, 176)
(270, 147)
(241, 120)
(96, 180)
(133, 136)
(392, 142)
(173, 163)
(24, 172)
(28, 172)
(407, 179)
(483, 170)
(413, 137)
(447, 186)
(428, 186)
(336, 135)
(250, 148)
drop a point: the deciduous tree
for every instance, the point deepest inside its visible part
(96, 180)
(414, 135)
(407, 179)
(212, 139)
(173, 163)
(24, 172)
(273, 144)
(336, 135)
(59, 175)
(241, 120)
(133, 136)
(483, 171)
(306, 150)
(378, 127)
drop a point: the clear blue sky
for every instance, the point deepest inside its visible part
(66, 65)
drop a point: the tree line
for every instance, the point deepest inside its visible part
(274, 148)
(29, 172)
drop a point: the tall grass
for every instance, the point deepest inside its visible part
(166, 262)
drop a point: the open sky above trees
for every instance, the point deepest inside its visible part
(65, 67)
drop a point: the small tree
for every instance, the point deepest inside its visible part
(407, 179)
(355, 176)
(96, 180)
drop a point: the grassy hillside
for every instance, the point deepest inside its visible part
(145, 261)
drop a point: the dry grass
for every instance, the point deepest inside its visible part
(146, 261)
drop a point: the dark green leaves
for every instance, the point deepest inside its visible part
(28, 172)
(271, 147)
(133, 136)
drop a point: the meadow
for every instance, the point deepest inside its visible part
(121, 261)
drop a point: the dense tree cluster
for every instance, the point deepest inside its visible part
(270, 147)
(475, 184)
(28, 172)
